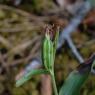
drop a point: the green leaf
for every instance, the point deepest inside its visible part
(75, 80)
(56, 40)
(28, 76)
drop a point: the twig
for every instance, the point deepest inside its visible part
(20, 27)
(22, 13)
(65, 35)
(24, 45)
(4, 64)
(18, 62)
(74, 50)
(5, 42)
(46, 88)
(88, 43)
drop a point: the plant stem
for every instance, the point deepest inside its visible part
(54, 83)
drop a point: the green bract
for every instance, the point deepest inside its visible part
(48, 57)
(49, 49)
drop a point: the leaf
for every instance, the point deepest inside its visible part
(56, 39)
(28, 76)
(75, 80)
(77, 77)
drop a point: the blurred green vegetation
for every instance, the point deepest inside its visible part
(21, 33)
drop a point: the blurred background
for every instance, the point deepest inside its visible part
(21, 32)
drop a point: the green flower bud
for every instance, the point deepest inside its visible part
(48, 52)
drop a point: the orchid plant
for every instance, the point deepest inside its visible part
(76, 78)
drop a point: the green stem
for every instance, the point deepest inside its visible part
(54, 83)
